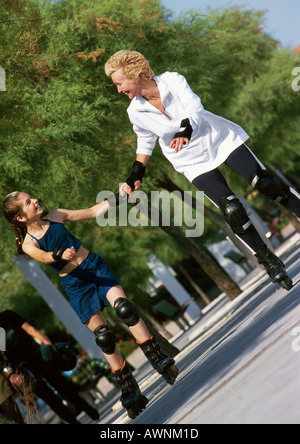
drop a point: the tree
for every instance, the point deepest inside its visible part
(64, 131)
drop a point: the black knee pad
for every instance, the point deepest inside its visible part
(105, 339)
(126, 312)
(270, 186)
(235, 214)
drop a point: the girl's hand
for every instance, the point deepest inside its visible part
(123, 189)
(69, 254)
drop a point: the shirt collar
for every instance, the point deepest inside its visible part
(142, 104)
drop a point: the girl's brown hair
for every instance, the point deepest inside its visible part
(11, 210)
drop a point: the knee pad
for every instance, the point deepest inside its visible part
(270, 186)
(105, 339)
(235, 214)
(126, 312)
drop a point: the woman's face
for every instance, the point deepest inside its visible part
(126, 86)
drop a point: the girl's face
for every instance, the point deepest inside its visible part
(30, 208)
(126, 86)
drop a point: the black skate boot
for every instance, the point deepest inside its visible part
(132, 399)
(274, 267)
(162, 363)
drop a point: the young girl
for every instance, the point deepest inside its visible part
(89, 284)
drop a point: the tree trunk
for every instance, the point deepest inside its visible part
(209, 265)
(195, 286)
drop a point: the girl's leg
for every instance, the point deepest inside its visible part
(139, 331)
(127, 314)
(115, 359)
(132, 399)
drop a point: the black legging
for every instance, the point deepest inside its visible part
(243, 162)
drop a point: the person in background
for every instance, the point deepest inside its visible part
(24, 354)
(9, 411)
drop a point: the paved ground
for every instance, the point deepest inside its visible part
(239, 364)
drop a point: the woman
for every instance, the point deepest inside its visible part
(196, 142)
(89, 284)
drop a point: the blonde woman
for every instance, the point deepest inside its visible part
(196, 142)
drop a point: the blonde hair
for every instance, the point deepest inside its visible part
(11, 210)
(132, 63)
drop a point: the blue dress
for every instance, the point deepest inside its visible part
(88, 284)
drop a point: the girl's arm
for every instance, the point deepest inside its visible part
(63, 215)
(31, 249)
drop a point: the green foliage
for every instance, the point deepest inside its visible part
(65, 134)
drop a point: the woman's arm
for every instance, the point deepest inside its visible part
(143, 158)
(193, 108)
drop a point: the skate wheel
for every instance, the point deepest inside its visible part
(287, 284)
(134, 411)
(171, 375)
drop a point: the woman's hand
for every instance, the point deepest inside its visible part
(178, 143)
(137, 185)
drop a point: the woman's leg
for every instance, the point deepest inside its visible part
(216, 189)
(245, 163)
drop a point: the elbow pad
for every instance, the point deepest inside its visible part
(137, 173)
(185, 129)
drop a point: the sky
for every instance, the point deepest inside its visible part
(282, 19)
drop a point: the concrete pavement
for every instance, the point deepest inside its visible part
(239, 364)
